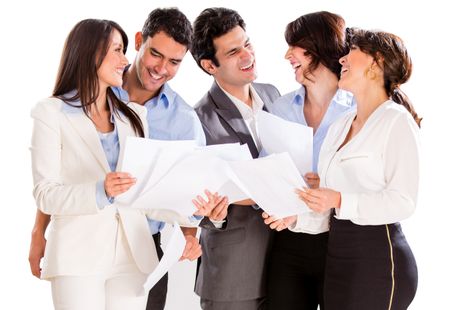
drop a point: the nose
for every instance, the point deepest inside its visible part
(124, 60)
(343, 59)
(247, 53)
(161, 67)
(288, 53)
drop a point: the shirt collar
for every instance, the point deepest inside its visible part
(166, 96)
(299, 95)
(244, 109)
(341, 97)
(74, 107)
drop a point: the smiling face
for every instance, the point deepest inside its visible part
(158, 60)
(299, 62)
(236, 58)
(356, 67)
(111, 70)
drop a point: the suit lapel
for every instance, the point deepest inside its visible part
(86, 130)
(231, 115)
(124, 130)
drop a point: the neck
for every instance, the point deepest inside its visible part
(368, 100)
(240, 92)
(100, 104)
(136, 92)
(320, 92)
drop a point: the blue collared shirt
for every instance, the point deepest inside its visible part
(290, 107)
(169, 117)
(111, 147)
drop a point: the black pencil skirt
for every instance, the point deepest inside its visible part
(368, 268)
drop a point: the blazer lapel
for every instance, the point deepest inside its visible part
(86, 129)
(231, 115)
(124, 130)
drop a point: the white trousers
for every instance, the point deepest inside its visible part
(117, 287)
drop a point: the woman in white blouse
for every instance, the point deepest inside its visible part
(369, 172)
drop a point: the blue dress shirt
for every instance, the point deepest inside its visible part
(169, 117)
(290, 107)
(111, 147)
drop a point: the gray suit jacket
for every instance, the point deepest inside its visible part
(233, 264)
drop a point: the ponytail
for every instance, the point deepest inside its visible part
(398, 96)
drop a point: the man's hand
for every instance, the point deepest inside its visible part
(192, 250)
(216, 208)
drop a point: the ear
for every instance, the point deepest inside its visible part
(137, 41)
(208, 66)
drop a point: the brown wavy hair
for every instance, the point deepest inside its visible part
(322, 35)
(84, 51)
(391, 55)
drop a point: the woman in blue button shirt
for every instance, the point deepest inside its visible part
(297, 263)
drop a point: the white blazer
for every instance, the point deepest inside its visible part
(67, 161)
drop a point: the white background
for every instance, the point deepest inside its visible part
(32, 37)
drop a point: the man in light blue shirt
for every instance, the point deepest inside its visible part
(161, 46)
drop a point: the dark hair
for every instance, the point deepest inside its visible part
(84, 51)
(170, 20)
(322, 35)
(391, 55)
(210, 24)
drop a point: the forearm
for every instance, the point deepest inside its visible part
(189, 231)
(40, 223)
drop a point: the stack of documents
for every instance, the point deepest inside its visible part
(172, 173)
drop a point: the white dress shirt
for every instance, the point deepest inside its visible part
(377, 171)
(249, 113)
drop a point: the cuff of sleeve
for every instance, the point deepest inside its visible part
(217, 224)
(100, 196)
(195, 219)
(349, 207)
(311, 223)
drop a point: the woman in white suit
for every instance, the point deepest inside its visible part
(97, 255)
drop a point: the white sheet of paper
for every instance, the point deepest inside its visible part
(270, 182)
(172, 254)
(205, 168)
(278, 135)
(148, 160)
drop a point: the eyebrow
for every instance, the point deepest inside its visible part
(155, 51)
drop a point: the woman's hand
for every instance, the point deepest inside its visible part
(278, 224)
(216, 208)
(320, 200)
(312, 179)
(117, 183)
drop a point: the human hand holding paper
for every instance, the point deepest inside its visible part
(172, 254)
(216, 208)
(278, 224)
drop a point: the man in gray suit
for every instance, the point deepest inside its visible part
(232, 270)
